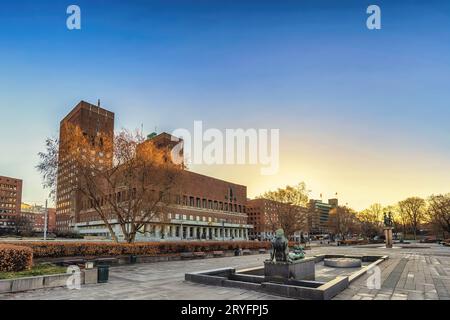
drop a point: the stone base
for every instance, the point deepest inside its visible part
(388, 236)
(303, 269)
(342, 262)
(90, 276)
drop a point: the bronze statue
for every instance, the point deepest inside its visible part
(280, 250)
(388, 222)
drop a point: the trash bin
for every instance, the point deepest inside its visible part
(103, 273)
(133, 259)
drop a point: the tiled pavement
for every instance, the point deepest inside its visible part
(409, 273)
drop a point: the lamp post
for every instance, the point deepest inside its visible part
(45, 220)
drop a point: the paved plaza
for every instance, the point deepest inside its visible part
(419, 271)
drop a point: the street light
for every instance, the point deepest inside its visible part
(45, 220)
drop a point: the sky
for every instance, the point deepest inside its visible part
(362, 113)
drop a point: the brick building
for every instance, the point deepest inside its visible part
(10, 200)
(36, 215)
(263, 215)
(205, 208)
(92, 120)
(208, 208)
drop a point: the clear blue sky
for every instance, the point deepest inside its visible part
(362, 113)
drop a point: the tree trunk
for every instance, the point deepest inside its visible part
(113, 235)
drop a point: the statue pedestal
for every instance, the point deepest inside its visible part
(303, 269)
(388, 236)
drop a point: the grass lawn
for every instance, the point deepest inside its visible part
(37, 270)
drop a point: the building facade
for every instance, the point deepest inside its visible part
(320, 212)
(92, 120)
(10, 200)
(263, 216)
(205, 208)
(35, 214)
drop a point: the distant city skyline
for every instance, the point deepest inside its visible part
(363, 113)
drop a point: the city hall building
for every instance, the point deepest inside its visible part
(206, 208)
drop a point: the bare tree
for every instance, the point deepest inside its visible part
(342, 221)
(23, 225)
(371, 220)
(291, 216)
(439, 211)
(125, 180)
(48, 166)
(414, 209)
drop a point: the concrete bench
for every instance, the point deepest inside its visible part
(218, 253)
(106, 261)
(199, 254)
(186, 255)
(73, 262)
(246, 252)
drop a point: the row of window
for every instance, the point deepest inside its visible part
(8, 205)
(204, 218)
(8, 194)
(185, 200)
(197, 232)
(203, 203)
(12, 211)
(8, 186)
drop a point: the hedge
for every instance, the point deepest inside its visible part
(74, 249)
(15, 258)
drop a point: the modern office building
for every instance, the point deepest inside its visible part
(320, 211)
(10, 200)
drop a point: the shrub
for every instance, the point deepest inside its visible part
(73, 249)
(15, 258)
